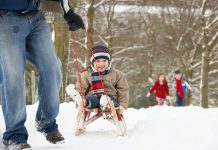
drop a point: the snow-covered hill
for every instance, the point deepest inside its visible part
(155, 128)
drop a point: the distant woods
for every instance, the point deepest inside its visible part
(145, 37)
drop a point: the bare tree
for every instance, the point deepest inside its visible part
(144, 43)
(209, 43)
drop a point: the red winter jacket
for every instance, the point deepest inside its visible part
(161, 91)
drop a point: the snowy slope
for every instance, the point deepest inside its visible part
(155, 128)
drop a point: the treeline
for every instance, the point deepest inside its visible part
(145, 42)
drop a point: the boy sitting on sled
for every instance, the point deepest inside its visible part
(101, 83)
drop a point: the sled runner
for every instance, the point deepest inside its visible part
(113, 115)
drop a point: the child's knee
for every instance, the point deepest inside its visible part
(104, 100)
(93, 101)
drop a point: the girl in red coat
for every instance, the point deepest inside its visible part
(161, 90)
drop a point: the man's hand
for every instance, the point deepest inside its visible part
(74, 21)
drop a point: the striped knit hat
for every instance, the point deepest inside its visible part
(98, 52)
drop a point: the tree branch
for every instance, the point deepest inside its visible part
(214, 41)
(100, 3)
(212, 23)
(127, 49)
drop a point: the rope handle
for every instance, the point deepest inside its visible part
(77, 67)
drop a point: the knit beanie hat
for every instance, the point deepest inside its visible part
(99, 52)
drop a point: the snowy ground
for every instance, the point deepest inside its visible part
(155, 128)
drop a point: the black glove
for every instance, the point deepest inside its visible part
(74, 20)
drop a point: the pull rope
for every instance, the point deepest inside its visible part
(77, 67)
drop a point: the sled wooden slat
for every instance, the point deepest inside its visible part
(113, 115)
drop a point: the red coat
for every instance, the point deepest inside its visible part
(161, 91)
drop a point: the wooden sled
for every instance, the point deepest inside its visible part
(113, 115)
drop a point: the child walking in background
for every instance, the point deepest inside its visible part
(180, 87)
(161, 90)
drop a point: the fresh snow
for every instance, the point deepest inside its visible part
(154, 128)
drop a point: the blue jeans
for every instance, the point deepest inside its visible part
(180, 101)
(94, 101)
(22, 38)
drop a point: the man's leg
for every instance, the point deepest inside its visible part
(12, 64)
(41, 52)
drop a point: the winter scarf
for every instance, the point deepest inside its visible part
(97, 82)
(179, 88)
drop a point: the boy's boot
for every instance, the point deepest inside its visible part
(73, 93)
(104, 102)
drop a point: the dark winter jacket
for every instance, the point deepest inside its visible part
(51, 6)
(30, 5)
(19, 4)
(161, 90)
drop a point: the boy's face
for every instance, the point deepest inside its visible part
(178, 76)
(101, 64)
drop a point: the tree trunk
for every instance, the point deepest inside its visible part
(150, 63)
(61, 46)
(204, 79)
(188, 75)
(74, 3)
(110, 17)
(205, 58)
(90, 19)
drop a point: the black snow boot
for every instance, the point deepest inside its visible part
(55, 138)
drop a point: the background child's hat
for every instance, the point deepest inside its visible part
(99, 52)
